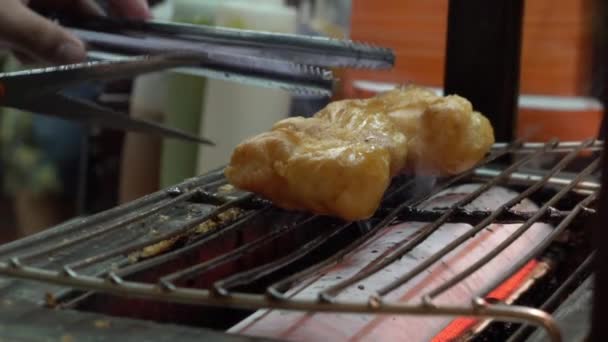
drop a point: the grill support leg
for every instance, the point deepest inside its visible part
(483, 58)
(599, 71)
(599, 328)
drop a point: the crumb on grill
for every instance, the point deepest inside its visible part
(133, 257)
(223, 218)
(67, 338)
(205, 227)
(158, 248)
(226, 189)
(101, 323)
(50, 300)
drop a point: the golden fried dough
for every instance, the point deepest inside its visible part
(341, 161)
(445, 135)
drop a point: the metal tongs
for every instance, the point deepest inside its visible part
(122, 48)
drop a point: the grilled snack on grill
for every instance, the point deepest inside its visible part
(340, 161)
(445, 135)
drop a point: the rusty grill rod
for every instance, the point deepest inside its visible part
(500, 152)
(156, 260)
(406, 245)
(195, 245)
(106, 229)
(521, 230)
(83, 223)
(223, 286)
(175, 233)
(274, 291)
(564, 146)
(518, 178)
(479, 307)
(579, 210)
(474, 230)
(550, 304)
(127, 268)
(139, 245)
(165, 257)
(106, 216)
(474, 217)
(241, 279)
(200, 268)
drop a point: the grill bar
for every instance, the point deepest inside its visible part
(407, 245)
(222, 286)
(107, 229)
(106, 216)
(564, 146)
(518, 178)
(474, 230)
(473, 217)
(578, 211)
(139, 245)
(501, 151)
(162, 258)
(195, 270)
(503, 245)
(274, 291)
(126, 268)
(479, 308)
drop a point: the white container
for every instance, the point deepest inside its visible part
(141, 158)
(199, 12)
(233, 112)
(185, 99)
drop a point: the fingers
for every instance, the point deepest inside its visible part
(36, 36)
(91, 7)
(32, 35)
(133, 9)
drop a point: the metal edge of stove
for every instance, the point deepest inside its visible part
(599, 234)
(21, 321)
(114, 284)
(573, 315)
(16, 289)
(24, 318)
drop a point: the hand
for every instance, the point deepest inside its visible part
(34, 37)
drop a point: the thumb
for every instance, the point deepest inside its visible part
(32, 34)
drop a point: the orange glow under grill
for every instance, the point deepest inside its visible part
(461, 325)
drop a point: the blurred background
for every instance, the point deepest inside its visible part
(53, 170)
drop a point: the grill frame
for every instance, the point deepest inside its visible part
(15, 255)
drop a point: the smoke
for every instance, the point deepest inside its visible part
(424, 182)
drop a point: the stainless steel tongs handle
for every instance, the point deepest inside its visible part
(319, 51)
(292, 62)
(218, 63)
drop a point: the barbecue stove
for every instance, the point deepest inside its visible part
(500, 252)
(202, 254)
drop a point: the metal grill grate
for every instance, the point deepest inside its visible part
(47, 256)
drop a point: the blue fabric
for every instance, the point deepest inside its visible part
(60, 141)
